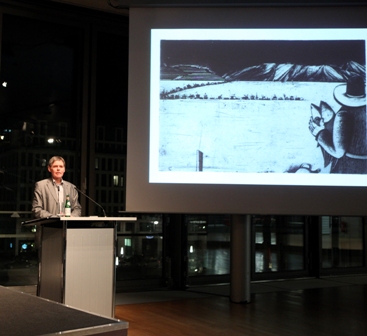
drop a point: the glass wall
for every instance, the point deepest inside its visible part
(18, 253)
(38, 119)
(279, 243)
(139, 251)
(63, 92)
(208, 244)
(342, 242)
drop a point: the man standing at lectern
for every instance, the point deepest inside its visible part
(50, 194)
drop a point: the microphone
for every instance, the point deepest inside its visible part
(91, 200)
(58, 198)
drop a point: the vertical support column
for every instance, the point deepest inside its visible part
(176, 239)
(240, 259)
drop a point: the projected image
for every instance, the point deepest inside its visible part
(259, 108)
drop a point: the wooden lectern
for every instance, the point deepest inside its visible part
(77, 261)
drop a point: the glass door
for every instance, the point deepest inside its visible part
(208, 248)
(279, 247)
(342, 243)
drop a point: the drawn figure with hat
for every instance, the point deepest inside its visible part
(342, 136)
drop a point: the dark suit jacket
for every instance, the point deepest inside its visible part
(45, 201)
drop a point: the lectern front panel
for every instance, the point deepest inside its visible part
(89, 270)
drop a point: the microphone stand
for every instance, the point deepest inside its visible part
(84, 194)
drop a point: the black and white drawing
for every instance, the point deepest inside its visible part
(262, 106)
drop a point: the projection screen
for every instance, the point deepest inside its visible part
(247, 110)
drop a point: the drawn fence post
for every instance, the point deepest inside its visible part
(199, 160)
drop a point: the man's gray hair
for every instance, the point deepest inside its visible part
(56, 158)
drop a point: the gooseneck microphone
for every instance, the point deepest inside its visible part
(58, 198)
(84, 194)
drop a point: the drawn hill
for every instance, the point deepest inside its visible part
(284, 72)
(188, 72)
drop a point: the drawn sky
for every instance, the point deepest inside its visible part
(224, 57)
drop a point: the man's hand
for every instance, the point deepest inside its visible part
(316, 127)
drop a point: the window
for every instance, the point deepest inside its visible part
(208, 249)
(342, 242)
(279, 243)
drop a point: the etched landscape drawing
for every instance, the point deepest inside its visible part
(245, 106)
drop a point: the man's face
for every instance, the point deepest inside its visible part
(57, 170)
